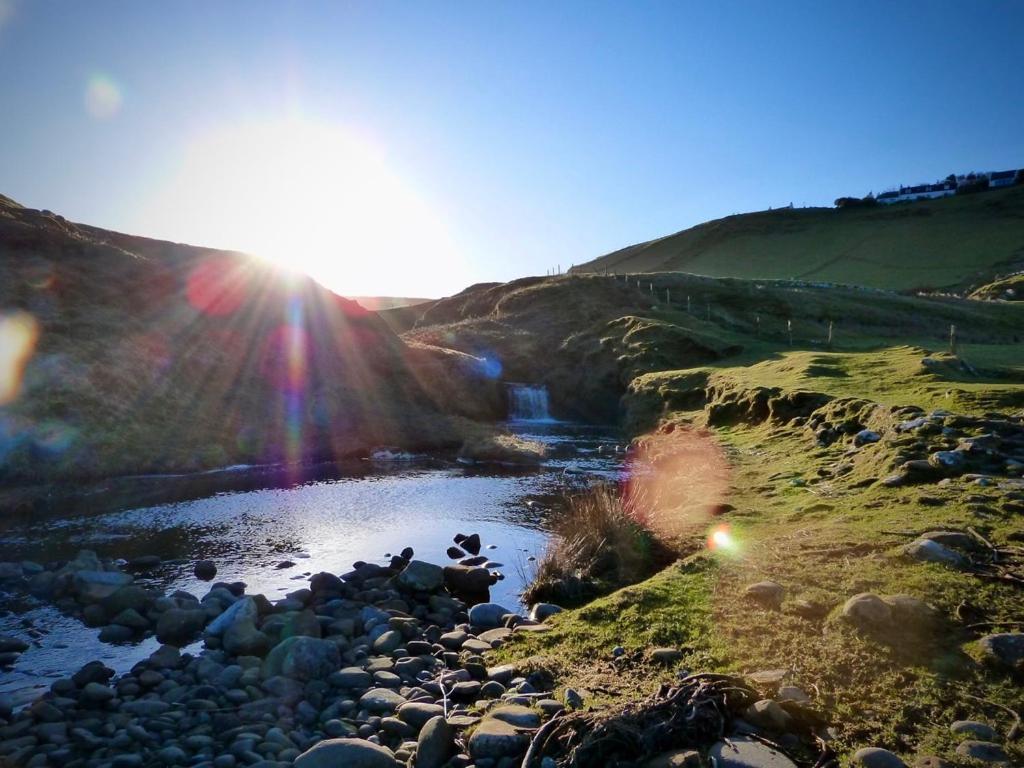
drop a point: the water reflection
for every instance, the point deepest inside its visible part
(271, 529)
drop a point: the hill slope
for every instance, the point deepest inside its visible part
(124, 354)
(952, 243)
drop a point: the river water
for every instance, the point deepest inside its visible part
(273, 527)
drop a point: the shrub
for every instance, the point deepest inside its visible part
(599, 543)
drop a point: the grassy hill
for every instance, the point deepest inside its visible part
(745, 428)
(951, 243)
(125, 355)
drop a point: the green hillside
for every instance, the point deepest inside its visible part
(952, 243)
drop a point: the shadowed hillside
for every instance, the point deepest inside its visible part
(950, 243)
(588, 336)
(138, 355)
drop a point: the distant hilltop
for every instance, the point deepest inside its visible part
(958, 243)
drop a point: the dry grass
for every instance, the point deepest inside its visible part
(599, 542)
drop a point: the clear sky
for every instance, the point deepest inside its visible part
(413, 148)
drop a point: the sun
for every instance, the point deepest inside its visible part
(315, 197)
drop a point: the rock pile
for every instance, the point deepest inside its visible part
(375, 667)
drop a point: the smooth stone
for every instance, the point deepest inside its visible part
(180, 625)
(94, 586)
(418, 713)
(205, 570)
(346, 753)
(544, 611)
(496, 739)
(1005, 649)
(520, 717)
(351, 677)
(767, 593)
(436, 743)
(419, 576)
(381, 700)
(867, 611)
(244, 610)
(876, 757)
(930, 551)
(981, 731)
(744, 752)
(487, 615)
(984, 751)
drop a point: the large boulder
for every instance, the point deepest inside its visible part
(867, 611)
(94, 586)
(179, 626)
(419, 576)
(346, 753)
(241, 611)
(470, 582)
(302, 658)
(242, 638)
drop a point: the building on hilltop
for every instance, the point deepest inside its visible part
(953, 184)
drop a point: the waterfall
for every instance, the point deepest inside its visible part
(528, 403)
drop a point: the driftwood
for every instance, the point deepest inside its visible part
(694, 713)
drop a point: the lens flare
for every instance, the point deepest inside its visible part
(18, 335)
(721, 539)
(102, 97)
(217, 286)
(678, 480)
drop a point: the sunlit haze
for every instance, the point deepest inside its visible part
(415, 149)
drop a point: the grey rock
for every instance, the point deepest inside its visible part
(116, 633)
(544, 611)
(487, 615)
(346, 753)
(518, 716)
(205, 570)
(244, 610)
(767, 593)
(983, 751)
(931, 551)
(302, 658)
(496, 739)
(981, 731)
(351, 677)
(381, 700)
(1005, 649)
(876, 757)
(419, 576)
(867, 611)
(96, 694)
(744, 752)
(418, 713)
(94, 586)
(9, 644)
(768, 714)
(436, 743)
(178, 626)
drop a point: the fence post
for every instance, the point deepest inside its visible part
(789, 330)
(688, 306)
(952, 339)
(829, 342)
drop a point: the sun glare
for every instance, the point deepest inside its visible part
(312, 197)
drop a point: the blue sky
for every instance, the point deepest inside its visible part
(513, 136)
